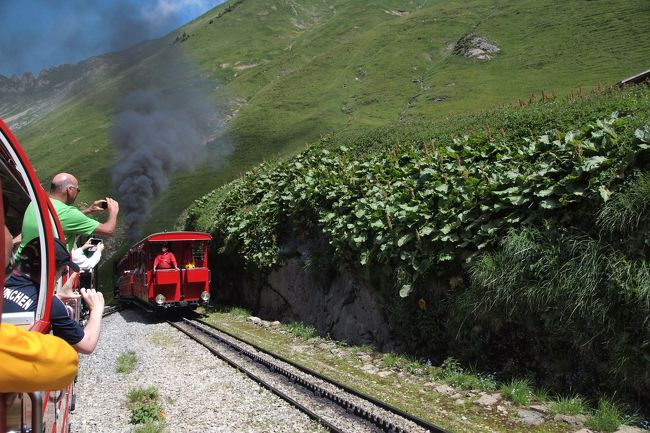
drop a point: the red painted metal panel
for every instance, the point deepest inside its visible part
(195, 282)
(167, 283)
(30, 182)
(178, 236)
(15, 160)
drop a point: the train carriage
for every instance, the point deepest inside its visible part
(35, 411)
(186, 286)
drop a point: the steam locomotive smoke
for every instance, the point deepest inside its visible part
(156, 135)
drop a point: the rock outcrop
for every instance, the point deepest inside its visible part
(476, 47)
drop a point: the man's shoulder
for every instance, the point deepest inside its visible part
(61, 207)
(18, 280)
(20, 294)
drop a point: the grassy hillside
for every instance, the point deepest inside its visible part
(292, 70)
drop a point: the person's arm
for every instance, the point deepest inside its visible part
(108, 228)
(172, 259)
(95, 207)
(95, 302)
(85, 246)
(155, 262)
(67, 290)
(95, 258)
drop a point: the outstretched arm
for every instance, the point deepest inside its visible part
(108, 227)
(95, 302)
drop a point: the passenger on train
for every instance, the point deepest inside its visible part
(21, 295)
(31, 361)
(88, 263)
(165, 259)
(63, 193)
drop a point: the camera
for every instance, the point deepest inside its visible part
(95, 241)
(103, 204)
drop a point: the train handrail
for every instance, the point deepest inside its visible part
(36, 399)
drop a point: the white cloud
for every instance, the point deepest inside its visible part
(168, 9)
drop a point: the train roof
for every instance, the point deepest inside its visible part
(176, 236)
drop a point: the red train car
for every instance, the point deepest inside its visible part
(35, 411)
(187, 286)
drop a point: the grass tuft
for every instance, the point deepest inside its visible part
(126, 362)
(364, 348)
(455, 375)
(300, 330)
(240, 312)
(390, 360)
(518, 391)
(607, 417)
(151, 427)
(568, 406)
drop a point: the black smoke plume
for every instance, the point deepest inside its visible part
(156, 134)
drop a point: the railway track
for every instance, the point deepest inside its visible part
(112, 309)
(335, 406)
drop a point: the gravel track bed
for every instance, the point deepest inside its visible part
(199, 392)
(332, 412)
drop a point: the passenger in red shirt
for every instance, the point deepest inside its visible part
(166, 259)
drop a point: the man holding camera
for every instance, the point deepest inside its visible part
(21, 295)
(63, 193)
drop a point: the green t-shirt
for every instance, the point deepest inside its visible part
(73, 221)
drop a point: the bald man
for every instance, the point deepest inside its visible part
(63, 193)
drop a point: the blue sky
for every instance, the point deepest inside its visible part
(37, 34)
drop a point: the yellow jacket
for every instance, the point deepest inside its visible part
(30, 361)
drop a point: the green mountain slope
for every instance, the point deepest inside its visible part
(292, 70)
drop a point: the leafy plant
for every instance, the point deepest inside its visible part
(146, 413)
(453, 373)
(150, 427)
(126, 362)
(539, 211)
(145, 406)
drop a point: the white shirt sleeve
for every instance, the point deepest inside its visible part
(85, 263)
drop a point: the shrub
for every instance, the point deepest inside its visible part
(563, 183)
